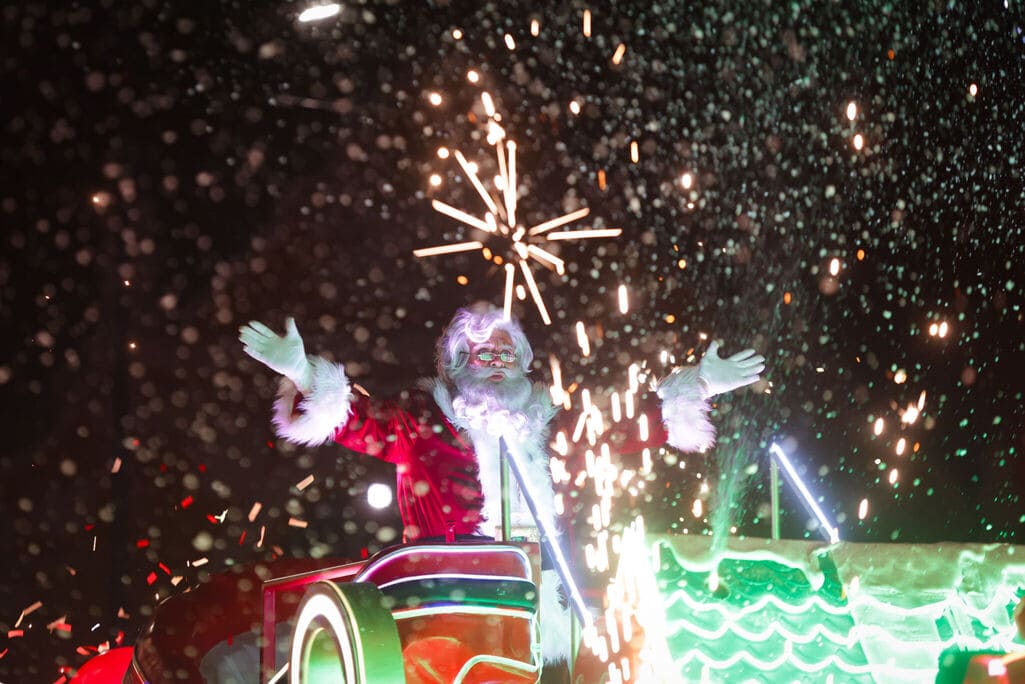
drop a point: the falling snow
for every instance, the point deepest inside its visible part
(839, 188)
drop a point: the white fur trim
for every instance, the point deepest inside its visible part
(533, 442)
(555, 620)
(685, 410)
(325, 408)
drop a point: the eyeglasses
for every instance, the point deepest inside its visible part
(487, 357)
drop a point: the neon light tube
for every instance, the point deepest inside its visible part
(832, 535)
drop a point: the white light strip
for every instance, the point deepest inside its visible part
(448, 249)
(453, 575)
(478, 186)
(452, 609)
(494, 660)
(546, 256)
(461, 216)
(585, 234)
(441, 550)
(560, 221)
(532, 286)
(548, 536)
(832, 534)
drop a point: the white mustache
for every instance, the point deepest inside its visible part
(486, 371)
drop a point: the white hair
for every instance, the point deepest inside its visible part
(476, 326)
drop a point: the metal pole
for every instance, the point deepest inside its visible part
(503, 465)
(774, 493)
(549, 539)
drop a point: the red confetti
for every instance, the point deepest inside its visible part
(89, 527)
(202, 468)
(212, 519)
(151, 578)
(242, 538)
(270, 444)
(186, 502)
(142, 543)
(363, 553)
(166, 569)
(4, 652)
(12, 633)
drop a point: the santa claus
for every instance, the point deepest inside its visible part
(443, 437)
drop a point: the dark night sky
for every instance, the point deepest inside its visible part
(173, 170)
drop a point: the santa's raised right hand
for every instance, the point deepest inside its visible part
(284, 354)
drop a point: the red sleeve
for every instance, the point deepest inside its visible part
(382, 429)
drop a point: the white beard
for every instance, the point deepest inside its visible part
(495, 407)
(513, 408)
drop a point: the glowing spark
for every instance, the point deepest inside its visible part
(447, 249)
(624, 303)
(852, 111)
(457, 34)
(559, 394)
(500, 219)
(687, 180)
(509, 42)
(584, 234)
(587, 23)
(472, 76)
(635, 155)
(546, 256)
(574, 107)
(877, 428)
(532, 286)
(434, 99)
(585, 345)
(973, 90)
(560, 221)
(489, 105)
(901, 445)
(697, 509)
(471, 173)
(834, 267)
(318, 12)
(510, 277)
(858, 141)
(535, 27)
(461, 216)
(617, 57)
(510, 192)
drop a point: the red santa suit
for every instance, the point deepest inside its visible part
(443, 450)
(446, 454)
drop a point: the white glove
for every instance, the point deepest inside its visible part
(282, 354)
(724, 375)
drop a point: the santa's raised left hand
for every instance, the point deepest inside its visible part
(725, 375)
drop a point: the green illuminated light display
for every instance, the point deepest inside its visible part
(787, 610)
